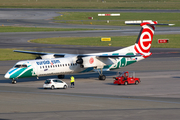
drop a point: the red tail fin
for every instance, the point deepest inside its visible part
(144, 40)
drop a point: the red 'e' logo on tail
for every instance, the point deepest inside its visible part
(144, 43)
(145, 40)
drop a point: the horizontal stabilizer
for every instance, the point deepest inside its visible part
(138, 22)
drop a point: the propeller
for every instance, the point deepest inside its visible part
(79, 51)
(80, 54)
(79, 60)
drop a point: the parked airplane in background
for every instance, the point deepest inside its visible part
(63, 64)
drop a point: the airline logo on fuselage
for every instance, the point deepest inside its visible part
(47, 62)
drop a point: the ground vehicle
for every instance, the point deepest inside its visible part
(54, 83)
(125, 79)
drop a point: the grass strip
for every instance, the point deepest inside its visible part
(121, 41)
(82, 18)
(92, 4)
(8, 54)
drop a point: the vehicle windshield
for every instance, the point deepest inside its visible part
(20, 66)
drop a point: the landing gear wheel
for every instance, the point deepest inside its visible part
(13, 81)
(102, 77)
(61, 76)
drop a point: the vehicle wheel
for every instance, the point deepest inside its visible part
(65, 87)
(52, 87)
(126, 83)
(136, 82)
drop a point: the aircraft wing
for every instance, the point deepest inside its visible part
(110, 56)
(81, 55)
(40, 53)
(30, 52)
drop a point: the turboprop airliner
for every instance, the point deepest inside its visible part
(63, 64)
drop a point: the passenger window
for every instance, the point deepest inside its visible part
(59, 81)
(54, 80)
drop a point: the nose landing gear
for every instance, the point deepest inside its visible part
(13, 81)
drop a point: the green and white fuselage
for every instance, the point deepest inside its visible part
(67, 65)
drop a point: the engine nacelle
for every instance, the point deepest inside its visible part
(47, 56)
(93, 61)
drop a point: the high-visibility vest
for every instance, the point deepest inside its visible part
(72, 79)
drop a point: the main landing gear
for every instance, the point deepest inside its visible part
(13, 81)
(101, 76)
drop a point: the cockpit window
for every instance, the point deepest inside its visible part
(20, 66)
(24, 66)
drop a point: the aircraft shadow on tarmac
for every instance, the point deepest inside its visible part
(110, 83)
(117, 84)
(89, 75)
(176, 77)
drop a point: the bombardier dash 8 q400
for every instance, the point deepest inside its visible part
(63, 64)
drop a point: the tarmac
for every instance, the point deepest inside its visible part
(156, 97)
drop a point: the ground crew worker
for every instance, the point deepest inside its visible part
(72, 81)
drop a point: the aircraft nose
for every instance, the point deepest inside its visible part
(7, 75)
